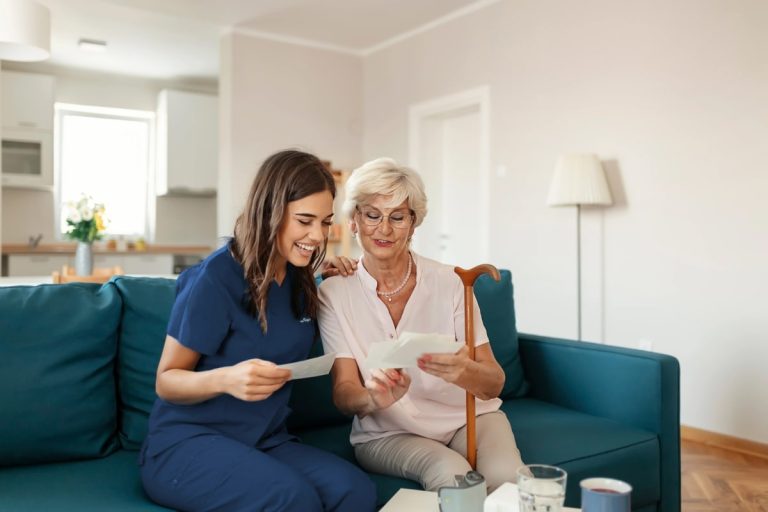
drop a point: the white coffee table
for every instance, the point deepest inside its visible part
(411, 500)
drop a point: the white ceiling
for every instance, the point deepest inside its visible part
(179, 39)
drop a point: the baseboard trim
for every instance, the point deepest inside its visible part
(726, 442)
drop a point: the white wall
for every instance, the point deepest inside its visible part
(1, 170)
(189, 221)
(674, 98)
(275, 96)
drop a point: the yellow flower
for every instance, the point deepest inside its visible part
(99, 220)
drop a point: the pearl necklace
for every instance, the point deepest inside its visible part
(388, 295)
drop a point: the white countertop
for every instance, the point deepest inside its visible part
(100, 248)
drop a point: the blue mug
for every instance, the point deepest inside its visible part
(605, 495)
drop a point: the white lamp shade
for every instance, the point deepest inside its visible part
(25, 31)
(579, 179)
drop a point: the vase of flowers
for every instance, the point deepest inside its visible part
(86, 222)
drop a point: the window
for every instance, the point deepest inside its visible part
(106, 154)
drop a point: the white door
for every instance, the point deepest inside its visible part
(450, 157)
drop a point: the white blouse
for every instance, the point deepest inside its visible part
(352, 317)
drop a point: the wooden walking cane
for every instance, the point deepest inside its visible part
(468, 277)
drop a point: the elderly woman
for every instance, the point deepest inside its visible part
(410, 424)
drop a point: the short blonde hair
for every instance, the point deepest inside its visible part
(384, 177)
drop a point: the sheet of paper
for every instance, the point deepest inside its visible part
(377, 354)
(310, 367)
(405, 352)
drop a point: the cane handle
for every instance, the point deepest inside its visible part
(469, 276)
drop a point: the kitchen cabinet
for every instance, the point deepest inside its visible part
(27, 158)
(27, 100)
(36, 264)
(187, 143)
(27, 132)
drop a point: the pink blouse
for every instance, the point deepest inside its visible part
(352, 317)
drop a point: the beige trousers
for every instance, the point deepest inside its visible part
(434, 464)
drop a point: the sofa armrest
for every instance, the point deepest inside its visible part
(632, 387)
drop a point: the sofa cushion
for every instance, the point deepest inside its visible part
(109, 484)
(497, 306)
(57, 386)
(586, 446)
(147, 303)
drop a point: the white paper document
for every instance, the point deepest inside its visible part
(406, 350)
(310, 367)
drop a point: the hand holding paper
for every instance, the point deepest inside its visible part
(387, 386)
(449, 367)
(406, 350)
(310, 367)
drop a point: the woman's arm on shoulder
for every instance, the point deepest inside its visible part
(338, 266)
(178, 382)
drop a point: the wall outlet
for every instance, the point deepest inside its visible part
(645, 344)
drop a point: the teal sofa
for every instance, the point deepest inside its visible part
(77, 364)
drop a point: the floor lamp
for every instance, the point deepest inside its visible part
(579, 180)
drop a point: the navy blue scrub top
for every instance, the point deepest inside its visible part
(210, 316)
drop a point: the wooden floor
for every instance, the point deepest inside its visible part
(717, 480)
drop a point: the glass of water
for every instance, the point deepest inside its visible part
(542, 488)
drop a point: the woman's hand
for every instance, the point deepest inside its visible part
(449, 367)
(255, 379)
(338, 266)
(482, 377)
(386, 387)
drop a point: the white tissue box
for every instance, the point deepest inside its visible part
(503, 499)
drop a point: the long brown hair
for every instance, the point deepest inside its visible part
(286, 176)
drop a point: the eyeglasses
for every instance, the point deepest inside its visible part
(399, 219)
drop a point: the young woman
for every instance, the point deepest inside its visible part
(217, 437)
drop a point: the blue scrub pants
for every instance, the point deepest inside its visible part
(214, 472)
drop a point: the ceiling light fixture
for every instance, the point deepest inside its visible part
(92, 45)
(25, 31)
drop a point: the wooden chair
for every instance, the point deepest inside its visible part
(100, 275)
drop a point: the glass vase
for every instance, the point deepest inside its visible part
(84, 259)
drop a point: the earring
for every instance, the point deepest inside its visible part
(354, 235)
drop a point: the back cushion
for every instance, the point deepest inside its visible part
(57, 387)
(147, 303)
(497, 305)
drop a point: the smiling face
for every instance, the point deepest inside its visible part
(304, 228)
(384, 241)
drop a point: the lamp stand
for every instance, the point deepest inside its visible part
(578, 268)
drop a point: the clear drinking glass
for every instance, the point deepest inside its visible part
(541, 488)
